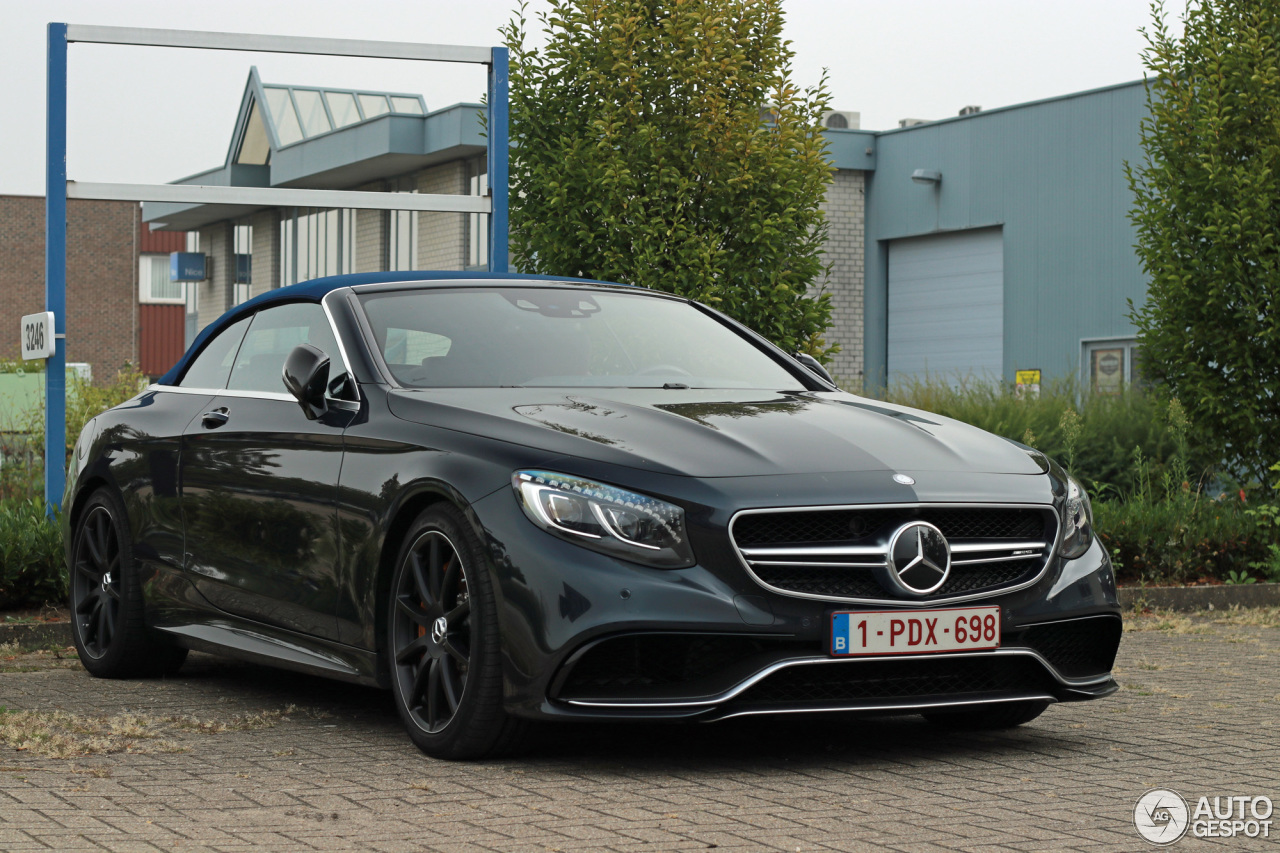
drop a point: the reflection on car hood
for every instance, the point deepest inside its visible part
(717, 433)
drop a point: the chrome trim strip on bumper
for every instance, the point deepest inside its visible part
(1048, 554)
(883, 706)
(755, 679)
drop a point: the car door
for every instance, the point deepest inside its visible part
(146, 446)
(259, 482)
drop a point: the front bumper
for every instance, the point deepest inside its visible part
(587, 636)
(716, 677)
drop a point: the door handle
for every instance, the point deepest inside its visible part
(216, 418)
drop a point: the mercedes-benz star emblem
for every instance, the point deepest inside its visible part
(439, 629)
(919, 558)
(904, 479)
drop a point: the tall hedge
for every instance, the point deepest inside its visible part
(1207, 213)
(663, 143)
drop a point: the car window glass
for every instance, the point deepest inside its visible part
(564, 337)
(412, 346)
(212, 366)
(274, 333)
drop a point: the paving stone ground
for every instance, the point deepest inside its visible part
(284, 762)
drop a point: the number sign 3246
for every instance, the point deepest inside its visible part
(37, 335)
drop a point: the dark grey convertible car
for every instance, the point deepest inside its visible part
(512, 499)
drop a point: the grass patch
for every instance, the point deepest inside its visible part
(15, 658)
(59, 734)
(1205, 622)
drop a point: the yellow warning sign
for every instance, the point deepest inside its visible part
(1027, 382)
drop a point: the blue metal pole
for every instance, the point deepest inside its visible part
(55, 267)
(499, 146)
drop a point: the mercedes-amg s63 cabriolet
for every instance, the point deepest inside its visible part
(512, 499)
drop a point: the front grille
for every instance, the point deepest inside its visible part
(841, 553)
(652, 666)
(1077, 648)
(887, 680)
(826, 582)
(829, 527)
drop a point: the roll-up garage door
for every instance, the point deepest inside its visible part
(946, 306)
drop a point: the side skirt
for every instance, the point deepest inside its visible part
(277, 647)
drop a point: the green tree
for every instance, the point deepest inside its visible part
(663, 143)
(1207, 213)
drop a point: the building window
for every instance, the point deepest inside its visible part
(478, 223)
(316, 243)
(154, 286)
(1109, 365)
(402, 238)
(242, 245)
(255, 148)
(374, 105)
(288, 129)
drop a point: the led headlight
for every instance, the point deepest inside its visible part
(605, 518)
(1077, 521)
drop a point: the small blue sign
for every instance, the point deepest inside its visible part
(244, 268)
(187, 266)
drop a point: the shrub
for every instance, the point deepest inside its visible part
(32, 570)
(1092, 437)
(1182, 540)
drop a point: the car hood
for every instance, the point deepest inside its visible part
(718, 433)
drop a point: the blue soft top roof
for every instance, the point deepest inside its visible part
(317, 289)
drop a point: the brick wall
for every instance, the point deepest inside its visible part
(845, 250)
(218, 290)
(442, 237)
(371, 241)
(265, 263)
(102, 274)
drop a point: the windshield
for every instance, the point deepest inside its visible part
(512, 336)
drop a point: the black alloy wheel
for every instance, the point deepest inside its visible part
(433, 631)
(106, 598)
(443, 642)
(95, 584)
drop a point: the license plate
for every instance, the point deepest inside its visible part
(914, 632)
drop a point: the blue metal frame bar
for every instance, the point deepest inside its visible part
(55, 267)
(499, 144)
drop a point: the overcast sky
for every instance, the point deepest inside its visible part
(152, 115)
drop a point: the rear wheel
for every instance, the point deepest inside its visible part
(445, 649)
(1003, 715)
(106, 599)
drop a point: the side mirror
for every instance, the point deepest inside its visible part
(814, 366)
(306, 375)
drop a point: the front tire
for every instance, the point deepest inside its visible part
(1005, 715)
(106, 598)
(443, 642)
